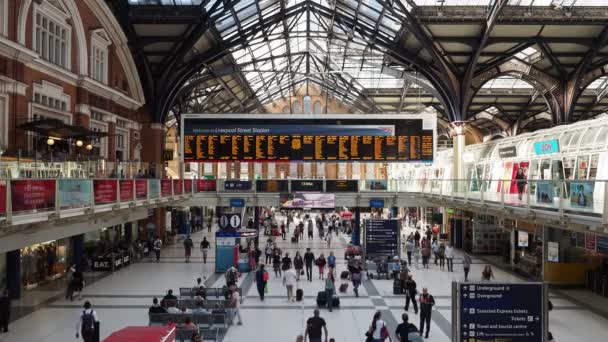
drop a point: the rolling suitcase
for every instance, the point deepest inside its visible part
(299, 295)
(321, 299)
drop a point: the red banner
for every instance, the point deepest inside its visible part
(165, 187)
(203, 185)
(105, 191)
(188, 186)
(32, 194)
(590, 241)
(141, 189)
(177, 186)
(126, 190)
(2, 197)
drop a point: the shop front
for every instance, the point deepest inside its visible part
(112, 248)
(43, 262)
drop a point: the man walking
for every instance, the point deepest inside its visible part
(410, 294)
(309, 258)
(314, 327)
(87, 324)
(426, 308)
(466, 265)
(261, 277)
(310, 228)
(188, 244)
(205, 245)
(403, 331)
(158, 244)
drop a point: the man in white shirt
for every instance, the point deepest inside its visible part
(86, 324)
(449, 254)
(172, 309)
(290, 279)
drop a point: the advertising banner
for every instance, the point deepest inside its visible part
(308, 200)
(544, 193)
(590, 242)
(74, 193)
(154, 188)
(178, 188)
(2, 197)
(188, 186)
(32, 194)
(204, 185)
(553, 251)
(506, 312)
(126, 190)
(141, 189)
(581, 195)
(105, 191)
(522, 239)
(546, 147)
(381, 185)
(165, 187)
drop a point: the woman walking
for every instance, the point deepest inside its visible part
(378, 330)
(321, 262)
(298, 264)
(441, 255)
(330, 289)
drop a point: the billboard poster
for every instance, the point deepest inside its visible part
(381, 185)
(308, 200)
(590, 242)
(204, 185)
(32, 194)
(105, 191)
(553, 251)
(74, 193)
(188, 186)
(165, 188)
(2, 197)
(544, 193)
(522, 239)
(506, 312)
(141, 189)
(178, 188)
(154, 188)
(126, 190)
(581, 195)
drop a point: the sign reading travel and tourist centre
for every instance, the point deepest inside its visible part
(491, 312)
(381, 238)
(265, 137)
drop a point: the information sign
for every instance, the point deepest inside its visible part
(507, 152)
(489, 312)
(602, 244)
(230, 221)
(306, 185)
(341, 185)
(237, 202)
(237, 185)
(381, 238)
(376, 203)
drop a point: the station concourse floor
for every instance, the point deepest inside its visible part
(122, 299)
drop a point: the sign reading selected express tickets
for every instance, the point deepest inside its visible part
(141, 189)
(165, 187)
(126, 190)
(32, 194)
(105, 191)
(391, 138)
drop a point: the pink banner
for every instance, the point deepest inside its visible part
(203, 185)
(177, 186)
(165, 187)
(105, 191)
(141, 189)
(188, 186)
(126, 190)
(32, 194)
(2, 197)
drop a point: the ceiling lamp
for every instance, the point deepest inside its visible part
(50, 141)
(89, 147)
(79, 143)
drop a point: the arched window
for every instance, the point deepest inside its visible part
(307, 107)
(99, 55)
(52, 33)
(318, 107)
(296, 107)
(286, 110)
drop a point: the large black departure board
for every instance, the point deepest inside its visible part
(331, 140)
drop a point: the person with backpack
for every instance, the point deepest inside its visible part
(205, 246)
(261, 278)
(158, 244)
(377, 332)
(86, 325)
(407, 332)
(426, 308)
(188, 244)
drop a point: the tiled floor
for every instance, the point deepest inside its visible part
(121, 299)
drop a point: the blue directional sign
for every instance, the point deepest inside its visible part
(376, 202)
(506, 312)
(237, 202)
(381, 238)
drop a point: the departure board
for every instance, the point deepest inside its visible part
(383, 138)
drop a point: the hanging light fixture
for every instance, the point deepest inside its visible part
(89, 147)
(79, 143)
(50, 141)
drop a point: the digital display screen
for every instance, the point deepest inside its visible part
(341, 186)
(271, 186)
(331, 139)
(307, 185)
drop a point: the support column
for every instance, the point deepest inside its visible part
(356, 235)
(77, 250)
(13, 273)
(458, 139)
